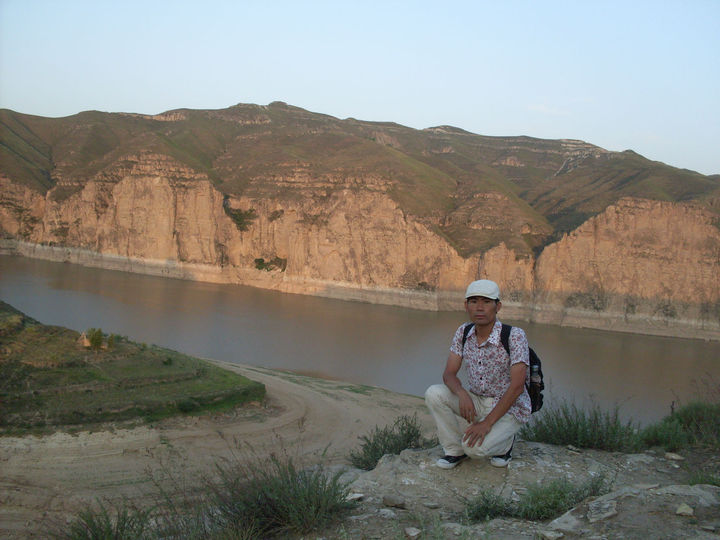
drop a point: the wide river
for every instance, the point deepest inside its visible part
(399, 349)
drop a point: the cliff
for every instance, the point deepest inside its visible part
(281, 198)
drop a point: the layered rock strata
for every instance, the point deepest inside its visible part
(640, 265)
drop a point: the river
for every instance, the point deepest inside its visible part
(400, 349)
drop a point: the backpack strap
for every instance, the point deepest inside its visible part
(505, 337)
(466, 333)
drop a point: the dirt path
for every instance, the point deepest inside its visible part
(47, 478)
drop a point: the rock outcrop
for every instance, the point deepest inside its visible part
(646, 496)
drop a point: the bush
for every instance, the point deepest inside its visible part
(404, 433)
(549, 500)
(264, 497)
(540, 502)
(488, 505)
(188, 405)
(275, 496)
(704, 478)
(668, 433)
(95, 337)
(276, 263)
(568, 424)
(125, 522)
(693, 424)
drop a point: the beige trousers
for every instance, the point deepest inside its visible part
(445, 408)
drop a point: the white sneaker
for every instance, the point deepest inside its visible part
(448, 462)
(500, 461)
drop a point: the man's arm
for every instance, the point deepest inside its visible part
(477, 430)
(451, 380)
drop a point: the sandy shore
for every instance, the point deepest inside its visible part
(44, 479)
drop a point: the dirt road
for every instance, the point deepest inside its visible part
(45, 479)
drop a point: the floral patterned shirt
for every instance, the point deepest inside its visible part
(488, 365)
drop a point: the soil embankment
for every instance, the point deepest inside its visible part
(49, 477)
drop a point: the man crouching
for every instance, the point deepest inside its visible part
(481, 421)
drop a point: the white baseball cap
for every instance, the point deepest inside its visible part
(483, 287)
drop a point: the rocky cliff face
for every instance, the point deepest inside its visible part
(377, 216)
(638, 263)
(639, 259)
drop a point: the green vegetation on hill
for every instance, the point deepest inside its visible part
(50, 379)
(435, 174)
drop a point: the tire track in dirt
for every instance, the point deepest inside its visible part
(48, 478)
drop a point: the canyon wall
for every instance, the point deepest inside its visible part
(641, 265)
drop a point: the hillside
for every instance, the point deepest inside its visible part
(52, 378)
(276, 196)
(436, 173)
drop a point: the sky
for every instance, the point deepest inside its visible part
(639, 75)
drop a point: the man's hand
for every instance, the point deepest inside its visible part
(467, 407)
(475, 434)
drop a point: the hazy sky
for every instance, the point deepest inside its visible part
(640, 75)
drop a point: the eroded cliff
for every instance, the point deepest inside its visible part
(380, 225)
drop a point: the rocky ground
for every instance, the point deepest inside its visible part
(407, 496)
(46, 479)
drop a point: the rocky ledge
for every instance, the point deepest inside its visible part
(649, 496)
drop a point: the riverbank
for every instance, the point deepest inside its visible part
(45, 480)
(615, 321)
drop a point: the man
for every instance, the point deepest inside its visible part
(482, 420)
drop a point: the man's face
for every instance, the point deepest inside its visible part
(482, 311)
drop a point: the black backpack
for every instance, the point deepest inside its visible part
(536, 385)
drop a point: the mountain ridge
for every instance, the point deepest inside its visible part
(374, 206)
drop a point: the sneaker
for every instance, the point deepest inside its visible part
(502, 461)
(448, 462)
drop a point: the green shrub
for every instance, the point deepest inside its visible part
(95, 337)
(276, 263)
(188, 405)
(704, 478)
(593, 428)
(276, 497)
(541, 501)
(266, 496)
(242, 218)
(668, 433)
(488, 505)
(101, 522)
(404, 433)
(554, 498)
(693, 424)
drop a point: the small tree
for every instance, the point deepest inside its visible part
(95, 337)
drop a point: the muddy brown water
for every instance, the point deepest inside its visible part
(400, 349)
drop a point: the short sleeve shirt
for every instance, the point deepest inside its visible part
(488, 365)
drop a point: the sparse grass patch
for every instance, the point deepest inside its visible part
(276, 496)
(541, 501)
(592, 428)
(262, 497)
(693, 424)
(668, 433)
(404, 433)
(105, 521)
(551, 499)
(700, 477)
